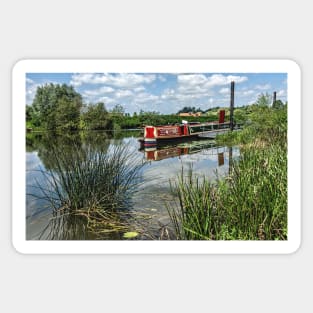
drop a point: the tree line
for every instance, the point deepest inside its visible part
(60, 108)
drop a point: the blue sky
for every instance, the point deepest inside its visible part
(163, 92)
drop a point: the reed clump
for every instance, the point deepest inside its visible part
(89, 191)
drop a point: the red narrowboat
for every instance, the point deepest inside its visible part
(185, 130)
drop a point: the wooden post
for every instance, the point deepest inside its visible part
(230, 160)
(220, 157)
(274, 99)
(232, 101)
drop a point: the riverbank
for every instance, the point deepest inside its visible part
(251, 202)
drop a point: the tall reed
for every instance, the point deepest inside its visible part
(251, 202)
(90, 186)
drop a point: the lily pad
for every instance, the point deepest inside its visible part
(130, 234)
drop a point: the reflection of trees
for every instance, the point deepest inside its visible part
(33, 141)
(126, 133)
(68, 143)
(97, 141)
(47, 142)
(87, 185)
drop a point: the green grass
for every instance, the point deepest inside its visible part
(251, 202)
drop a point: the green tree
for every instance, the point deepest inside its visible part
(187, 110)
(118, 110)
(67, 114)
(278, 104)
(57, 107)
(97, 117)
(117, 115)
(29, 113)
(264, 100)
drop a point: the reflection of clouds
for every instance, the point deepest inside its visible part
(158, 175)
(32, 161)
(35, 179)
(203, 163)
(34, 168)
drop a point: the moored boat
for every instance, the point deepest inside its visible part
(156, 134)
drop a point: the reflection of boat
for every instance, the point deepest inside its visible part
(153, 154)
(155, 134)
(161, 153)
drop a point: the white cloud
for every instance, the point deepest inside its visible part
(139, 89)
(121, 80)
(202, 84)
(185, 89)
(191, 79)
(219, 79)
(169, 94)
(81, 78)
(178, 95)
(145, 97)
(98, 92)
(106, 101)
(281, 93)
(123, 93)
(134, 91)
(95, 95)
(162, 78)
(196, 89)
(31, 88)
(263, 87)
(106, 89)
(248, 92)
(224, 91)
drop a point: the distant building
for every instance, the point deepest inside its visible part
(191, 114)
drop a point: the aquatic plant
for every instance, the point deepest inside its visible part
(91, 189)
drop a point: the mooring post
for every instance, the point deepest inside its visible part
(274, 99)
(230, 160)
(232, 101)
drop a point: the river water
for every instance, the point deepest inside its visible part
(162, 165)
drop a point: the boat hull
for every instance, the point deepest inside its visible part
(154, 135)
(163, 141)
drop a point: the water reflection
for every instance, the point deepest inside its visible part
(149, 203)
(41, 143)
(207, 147)
(165, 164)
(82, 182)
